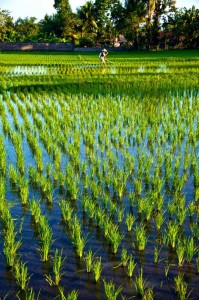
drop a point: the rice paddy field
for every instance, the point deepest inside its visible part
(99, 176)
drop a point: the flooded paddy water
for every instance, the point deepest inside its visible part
(99, 176)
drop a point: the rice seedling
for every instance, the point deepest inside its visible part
(110, 290)
(171, 209)
(130, 266)
(97, 268)
(172, 233)
(35, 210)
(2, 157)
(58, 261)
(148, 294)
(180, 250)
(2, 193)
(166, 270)
(89, 260)
(140, 237)
(115, 238)
(78, 240)
(124, 257)
(71, 296)
(13, 176)
(23, 190)
(157, 255)
(120, 214)
(190, 249)
(181, 215)
(180, 286)
(21, 275)
(45, 235)
(66, 210)
(140, 283)
(30, 295)
(130, 219)
(10, 249)
(159, 220)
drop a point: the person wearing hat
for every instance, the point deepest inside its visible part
(102, 56)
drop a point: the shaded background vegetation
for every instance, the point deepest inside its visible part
(140, 24)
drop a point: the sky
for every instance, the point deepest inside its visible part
(39, 8)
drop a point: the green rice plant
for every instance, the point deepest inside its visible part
(191, 208)
(130, 219)
(23, 190)
(49, 191)
(66, 210)
(89, 260)
(132, 198)
(112, 208)
(166, 270)
(62, 179)
(57, 158)
(99, 216)
(10, 250)
(124, 257)
(148, 294)
(12, 173)
(147, 208)
(58, 261)
(2, 194)
(190, 249)
(194, 229)
(30, 295)
(56, 174)
(131, 266)
(49, 167)
(71, 296)
(180, 250)
(110, 290)
(73, 188)
(156, 255)
(91, 209)
(39, 160)
(45, 235)
(138, 186)
(35, 210)
(34, 175)
(196, 193)
(159, 220)
(78, 240)
(171, 209)
(181, 215)
(20, 163)
(172, 233)
(140, 237)
(115, 238)
(21, 275)
(2, 157)
(97, 269)
(80, 243)
(180, 287)
(120, 213)
(140, 283)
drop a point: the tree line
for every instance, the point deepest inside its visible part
(140, 24)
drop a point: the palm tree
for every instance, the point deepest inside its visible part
(86, 15)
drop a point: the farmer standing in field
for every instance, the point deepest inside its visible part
(102, 56)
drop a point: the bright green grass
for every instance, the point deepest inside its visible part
(126, 72)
